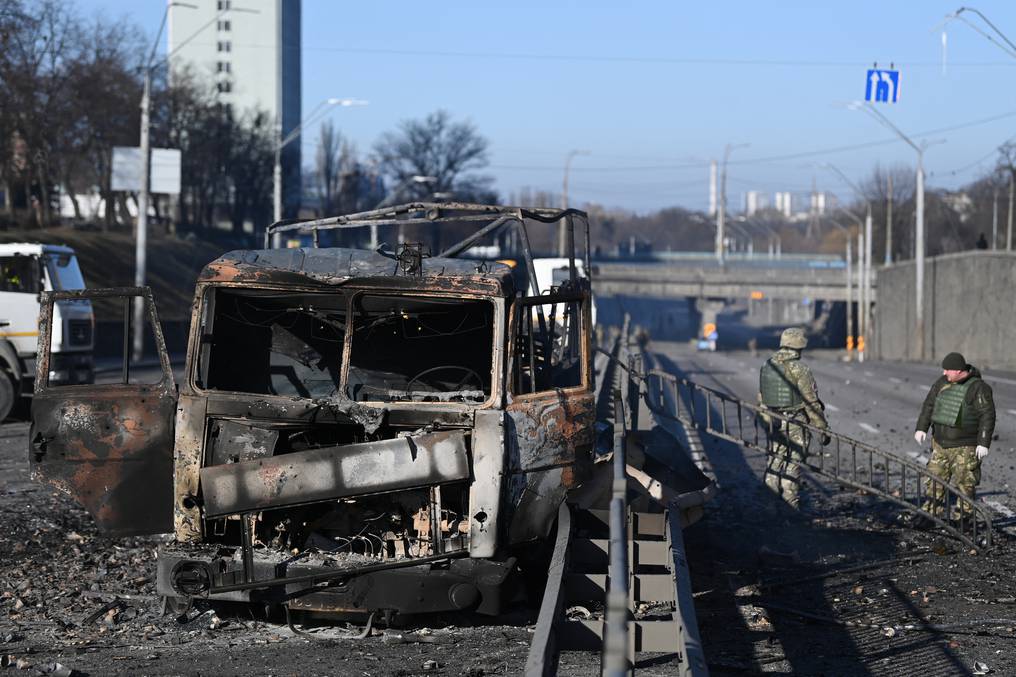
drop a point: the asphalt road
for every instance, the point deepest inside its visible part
(840, 587)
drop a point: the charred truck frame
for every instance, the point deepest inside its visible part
(355, 431)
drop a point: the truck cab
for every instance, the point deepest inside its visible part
(27, 270)
(354, 432)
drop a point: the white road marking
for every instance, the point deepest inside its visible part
(1001, 508)
(895, 380)
(869, 374)
(832, 407)
(869, 427)
(1011, 411)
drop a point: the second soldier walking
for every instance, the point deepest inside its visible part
(787, 387)
(960, 410)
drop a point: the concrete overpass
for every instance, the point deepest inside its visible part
(794, 280)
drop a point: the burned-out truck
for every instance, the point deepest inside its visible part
(353, 431)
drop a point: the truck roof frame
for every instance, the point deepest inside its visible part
(489, 218)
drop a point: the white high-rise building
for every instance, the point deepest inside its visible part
(754, 201)
(821, 201)
(784, 203)
(254, 59)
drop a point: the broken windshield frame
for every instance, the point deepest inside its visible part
(427, 385)
(434, 349)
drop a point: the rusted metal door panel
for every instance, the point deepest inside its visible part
(551, 438)
(109, 446)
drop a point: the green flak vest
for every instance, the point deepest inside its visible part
(949, 406)
(778, 391)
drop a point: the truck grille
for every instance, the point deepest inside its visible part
(79, 332)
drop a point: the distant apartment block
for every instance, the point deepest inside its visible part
(821, 202)
(783, 201)
(254, 59)
(755, 201)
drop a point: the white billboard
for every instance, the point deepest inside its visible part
(165, 169)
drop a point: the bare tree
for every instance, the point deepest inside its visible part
(329, 165)
(875, 188)
(438, 147)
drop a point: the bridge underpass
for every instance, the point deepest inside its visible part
(747, 299)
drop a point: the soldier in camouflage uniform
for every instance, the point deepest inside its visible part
(787, 386)
(961, 410)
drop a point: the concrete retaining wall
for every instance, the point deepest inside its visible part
(969, 306)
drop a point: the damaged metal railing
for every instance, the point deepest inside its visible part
(844, 460)
(616, 658)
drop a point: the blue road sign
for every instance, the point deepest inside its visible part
(882, 86)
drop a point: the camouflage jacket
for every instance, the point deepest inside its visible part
(789, 361)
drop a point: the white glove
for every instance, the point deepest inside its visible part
(920, 436)
(982, 451)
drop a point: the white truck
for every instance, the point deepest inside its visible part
(25, 270)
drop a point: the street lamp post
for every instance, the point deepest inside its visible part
(145, 143)
(562, 226)
(315, 115)
(919, 352)
(850, 291)
(864, 258)
(721, 211)
(141, 239)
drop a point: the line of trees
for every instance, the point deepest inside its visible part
(70, 90)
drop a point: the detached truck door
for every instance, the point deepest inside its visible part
(109, 444)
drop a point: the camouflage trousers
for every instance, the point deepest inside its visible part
(787, 451)
(958, 466)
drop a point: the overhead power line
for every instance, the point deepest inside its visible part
(612, 58)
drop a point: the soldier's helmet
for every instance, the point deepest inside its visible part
(793, 338)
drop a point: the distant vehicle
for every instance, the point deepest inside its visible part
(709, 337)
(553, 272)
(26, 269)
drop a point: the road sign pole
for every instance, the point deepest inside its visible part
(867, 279)
(860, 296)
(850, 301)
(919, 261)
(141, 241)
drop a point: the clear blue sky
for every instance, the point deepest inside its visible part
(654, 90)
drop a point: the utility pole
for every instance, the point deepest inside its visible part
(850, 302)
(868, 241)
(141, 238)
(712, 188)
(889, 223)
(919, 256)
(721, 208)
(562, 226)
(860, 296)
(919, 227)
(294, 134)
(1008, 230)
(994, 219)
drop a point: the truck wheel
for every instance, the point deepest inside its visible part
(6, 396)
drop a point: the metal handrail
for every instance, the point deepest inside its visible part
(615, 661)
(850, 462)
